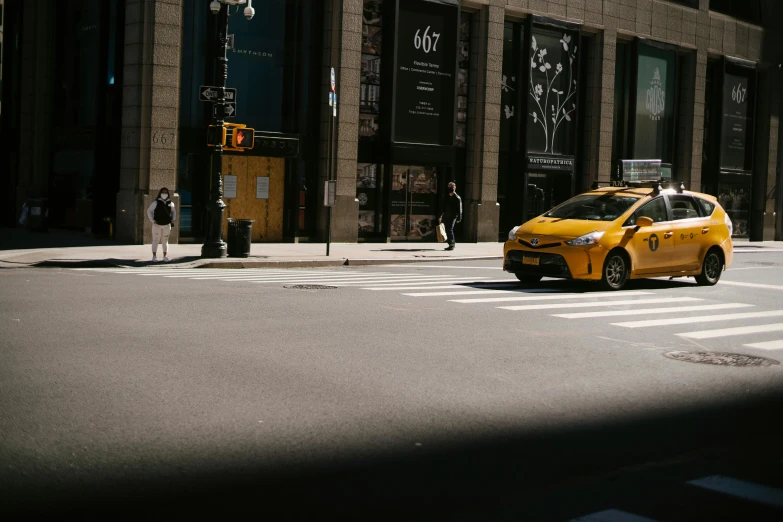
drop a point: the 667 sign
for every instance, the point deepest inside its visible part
(739, 93)
(426, 42)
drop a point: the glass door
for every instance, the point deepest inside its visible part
(414, 203)
(546, 190)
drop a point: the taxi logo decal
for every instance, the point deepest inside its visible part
(534, 241)
(653, 243)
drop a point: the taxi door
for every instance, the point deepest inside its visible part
(652, 247)
(689, 227)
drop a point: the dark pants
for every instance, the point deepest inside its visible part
(449, 222)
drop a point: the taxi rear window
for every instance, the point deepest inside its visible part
(593, 207)
(706, 206)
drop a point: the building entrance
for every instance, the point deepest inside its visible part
(546, 190)
(414, 203)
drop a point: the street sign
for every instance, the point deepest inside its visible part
(330, 190)
(333, 79)
(210, 93)
(230, 110)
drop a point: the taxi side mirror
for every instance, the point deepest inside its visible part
(644, 221)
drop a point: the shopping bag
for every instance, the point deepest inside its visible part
(441, 233)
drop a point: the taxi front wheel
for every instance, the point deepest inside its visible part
(711, 268)
(615, 271)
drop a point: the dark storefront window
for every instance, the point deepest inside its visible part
(646, 83)
(256, 65)
(275, 66)
(553, 92)
(86, 114)
(370, 94)
(426, 43)
(729, 139)
(510, 176)
(463, 78)
(552, 102)
(369, 190)
(414, 200)
(654, 107)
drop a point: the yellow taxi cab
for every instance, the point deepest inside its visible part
(613, 234)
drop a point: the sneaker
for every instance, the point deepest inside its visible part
(154, 258)
(165, 259)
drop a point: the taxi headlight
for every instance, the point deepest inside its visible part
(588, 239)
(729, 224)
(513, 234)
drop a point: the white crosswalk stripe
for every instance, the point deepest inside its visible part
(768, 345)
(739, 330)
(480, 292)
(699, 319)
(600, 304)
(540, 296)
(649, 311)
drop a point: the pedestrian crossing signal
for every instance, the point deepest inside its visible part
(243, 138)
(216, 136)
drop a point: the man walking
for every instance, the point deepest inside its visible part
(452, 213)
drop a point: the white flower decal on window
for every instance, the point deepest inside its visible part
(558, 110)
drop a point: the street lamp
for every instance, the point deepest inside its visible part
(214, 246)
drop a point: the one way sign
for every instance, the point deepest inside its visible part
(210, 93)
(229, 111)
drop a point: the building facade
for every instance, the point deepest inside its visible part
(523, 103)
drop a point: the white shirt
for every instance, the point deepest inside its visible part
(151, 209)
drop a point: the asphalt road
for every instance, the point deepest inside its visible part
(406, 392)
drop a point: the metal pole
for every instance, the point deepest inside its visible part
(329, 178)
(214, 246)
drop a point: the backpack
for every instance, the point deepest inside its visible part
(163, 212)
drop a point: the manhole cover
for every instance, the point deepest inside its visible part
(721, 359)
(311, 287)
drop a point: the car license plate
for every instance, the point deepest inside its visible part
(528, 260)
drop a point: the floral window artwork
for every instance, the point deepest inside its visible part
(553, 92)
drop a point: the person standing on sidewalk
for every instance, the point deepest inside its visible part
(452, 213)
(162, 213)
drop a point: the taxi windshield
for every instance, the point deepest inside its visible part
(593, 207)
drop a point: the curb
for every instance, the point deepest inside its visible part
(238, 264)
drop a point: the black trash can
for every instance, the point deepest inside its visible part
(239, 237)
(37, 214)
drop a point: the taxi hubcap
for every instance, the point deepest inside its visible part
(712, 266)
(615, 271)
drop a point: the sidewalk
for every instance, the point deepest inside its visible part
(20, 248)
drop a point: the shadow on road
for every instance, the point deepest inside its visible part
(479, 479)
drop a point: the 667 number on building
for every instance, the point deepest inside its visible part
(425, 42)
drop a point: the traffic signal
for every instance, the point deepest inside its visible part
(216, 136)
(243, 138)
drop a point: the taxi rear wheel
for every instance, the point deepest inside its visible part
(615, 273)
(527, 278)
(711, 268)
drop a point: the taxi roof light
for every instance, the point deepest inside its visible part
(656, 184)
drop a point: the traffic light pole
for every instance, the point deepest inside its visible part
(329, 147)
(214, 246)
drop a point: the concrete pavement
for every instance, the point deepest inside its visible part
(19, 248)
